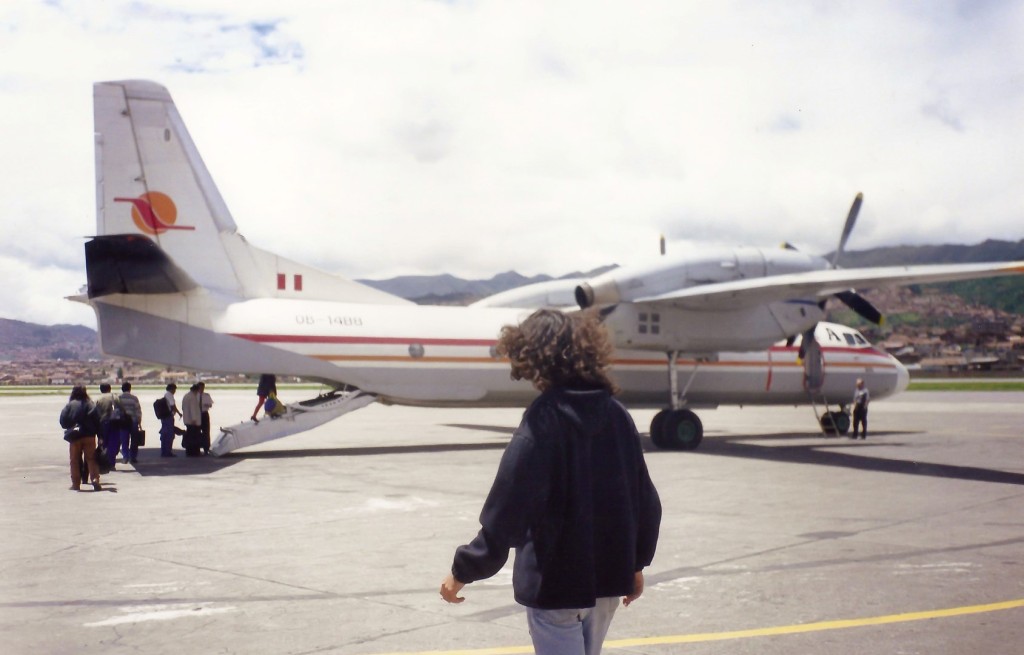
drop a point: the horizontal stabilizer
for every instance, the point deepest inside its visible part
(298, 417)
(133, 264)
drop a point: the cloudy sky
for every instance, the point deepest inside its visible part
(387, 137)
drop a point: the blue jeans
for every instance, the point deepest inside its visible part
(166, 435)
(110, 435)
(571, 632)
(130, 443)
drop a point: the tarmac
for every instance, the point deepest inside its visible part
(775, 539)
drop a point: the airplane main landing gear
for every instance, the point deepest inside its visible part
(676, 429)
(836, 423)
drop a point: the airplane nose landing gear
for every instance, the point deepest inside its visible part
(676, 429)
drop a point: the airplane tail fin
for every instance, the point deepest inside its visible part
(152, 186)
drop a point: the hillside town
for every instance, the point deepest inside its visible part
(931, 333)
(42, 372)
(947, 335)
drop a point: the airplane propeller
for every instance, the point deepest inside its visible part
(851, 298)
(859, 304)
(851, 218)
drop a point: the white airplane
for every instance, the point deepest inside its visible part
(173, 282)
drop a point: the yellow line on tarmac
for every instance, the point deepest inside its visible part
(756, 632)
(817, 627)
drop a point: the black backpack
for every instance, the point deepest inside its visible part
(161, 409)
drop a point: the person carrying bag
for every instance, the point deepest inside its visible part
(81, 422)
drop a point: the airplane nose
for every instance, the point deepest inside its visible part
(902, 376)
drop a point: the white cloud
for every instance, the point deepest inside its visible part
(36, 290)
(412, 136)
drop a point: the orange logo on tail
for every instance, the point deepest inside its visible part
(154, 213)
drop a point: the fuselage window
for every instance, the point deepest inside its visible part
(648, 323)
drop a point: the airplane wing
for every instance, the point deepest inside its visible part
(823, 283)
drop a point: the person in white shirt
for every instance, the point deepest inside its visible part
(193, 418)
(861, 398)
(205, 403)
(167, 422)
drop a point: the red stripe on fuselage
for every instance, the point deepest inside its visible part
(864, 350)
(301, 338)
(405, 341)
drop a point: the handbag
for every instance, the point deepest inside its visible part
(102, 459)
(72, 434)
(140, 439)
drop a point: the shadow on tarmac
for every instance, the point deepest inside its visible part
(820, 454)
(105, 487)
(358, 452)
(857, 458)
(152, 464)
(500, 429)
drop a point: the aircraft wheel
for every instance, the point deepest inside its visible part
(681, 430)
(835, 423)
(841, 421)
(828, 425)
(657, 437)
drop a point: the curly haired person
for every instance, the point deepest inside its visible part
(572, 494)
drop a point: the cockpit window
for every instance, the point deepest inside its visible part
(849, 338)
(861, 340)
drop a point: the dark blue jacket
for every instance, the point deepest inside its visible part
(572, 495)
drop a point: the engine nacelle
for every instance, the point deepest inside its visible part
(667, 274)
(551, 294)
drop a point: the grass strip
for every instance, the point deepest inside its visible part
(966, 385)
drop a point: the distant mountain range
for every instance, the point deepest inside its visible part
(986, 251)
(450, 290)
(21, 340)
(1005, 293)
